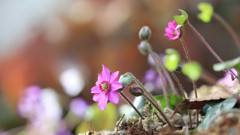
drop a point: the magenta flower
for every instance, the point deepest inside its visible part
(227, 79)
(106, 88)
(171, 32)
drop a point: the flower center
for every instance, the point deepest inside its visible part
(104, 86)
(174, 33)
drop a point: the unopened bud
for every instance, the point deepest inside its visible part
(145, 33)
(135, 90)
(142, 48)
(125, 79)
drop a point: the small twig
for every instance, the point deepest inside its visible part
(160, 120)
(119, 123)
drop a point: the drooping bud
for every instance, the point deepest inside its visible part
(145, 33)
(125, 79)
(136, 90)
(142, 48)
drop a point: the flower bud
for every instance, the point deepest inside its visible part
(145, 33)
(135, 90)
(142, 48)
(125, 79)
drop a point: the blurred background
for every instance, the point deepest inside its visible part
(60, 45)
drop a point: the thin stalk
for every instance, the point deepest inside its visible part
(182, 91)
(228, 28)
(151, 99)
(159, 110)
(159, 72)
(119, 123)
(179, 84)
(129, 102)
(208, 46)
(173, 88)
(189, 60)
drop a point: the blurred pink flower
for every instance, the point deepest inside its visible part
(227, 79)
(106, 88)
(171, 32)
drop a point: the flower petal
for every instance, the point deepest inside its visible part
(105, 73)
(96, 97)
(113, 97)
(102, 104)
(100, 79)
(115, 86)
(114, 77)
(95, 89)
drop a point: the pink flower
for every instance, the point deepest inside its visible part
(171, 32)
(227, 79)
(106, 88)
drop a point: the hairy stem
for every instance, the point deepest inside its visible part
(182, 91)
(159, 72)
(228, 27)
(208, 46)
(151, 99)
(179, 84)
(130, 103)
(189, 60)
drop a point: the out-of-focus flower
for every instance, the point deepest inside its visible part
(62, 130)
(227, 79)
(78, 106)
(171, 32)
(106, 88)
(30, 105)
(72, 81)
(152, 80)
(158, 56)
(42, 108)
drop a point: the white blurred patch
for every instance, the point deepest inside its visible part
(72, 81)
(52, 109)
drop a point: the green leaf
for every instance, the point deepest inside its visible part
(181, 19)
(192, 70)
(216, 109)
(206, 12)
(235, 63)
(173, 100)
(172, 59)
